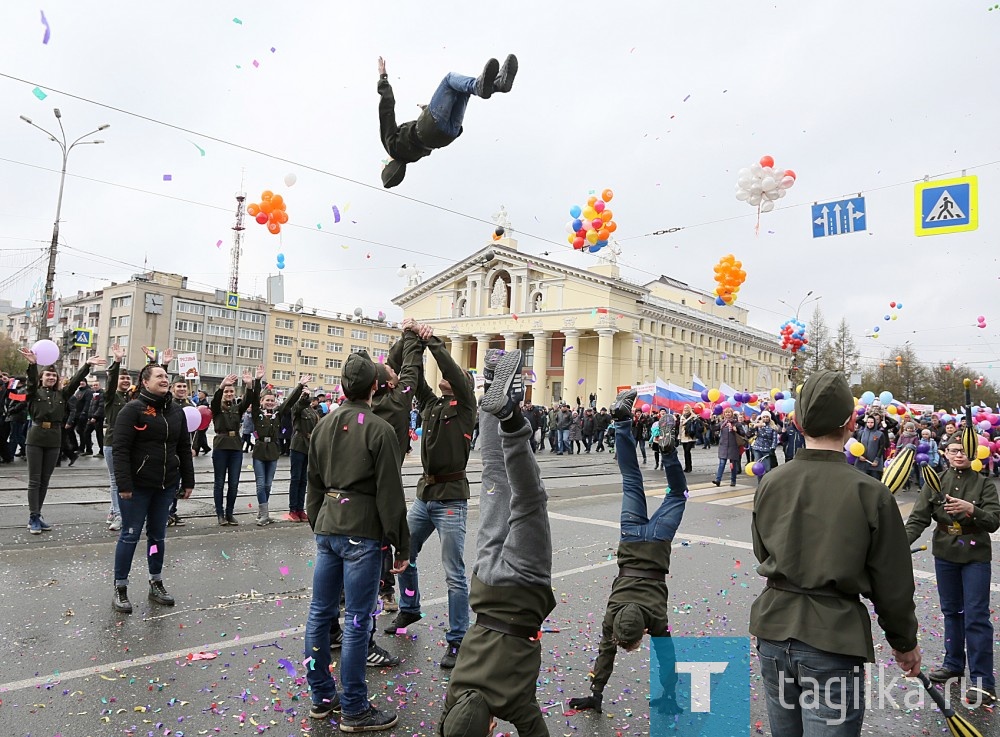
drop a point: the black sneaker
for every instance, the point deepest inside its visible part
(337, 640)
(372, 720)
(942, 675)
(159, 594)
(507, 389)
(493, 356)
(484, 85)
(505, 80)
(379, 658)
(323, 711)
(621, 408)
(175, 520)
(402, 621)
(450, 656)
(231, 520)
(121, 602)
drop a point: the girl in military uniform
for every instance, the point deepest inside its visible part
(266, 414)
(227, 446)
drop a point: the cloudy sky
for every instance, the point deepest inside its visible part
(661, 101)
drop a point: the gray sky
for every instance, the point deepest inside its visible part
(854, 96)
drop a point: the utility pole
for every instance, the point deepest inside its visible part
(234, 268)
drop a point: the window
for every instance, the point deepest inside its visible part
(257, 317)
(310, 344)
(673, 333)
(187, 346)
(281, 376)
(114, 322)
(309, 360)
(216, 312)
(223, 331)
(651, 358)
(310, 327)
(359, 334)
(125, 320)
(254, 354)
(122, 341)
(248, 334)
(282, 357)
(121, 302)
(382, 338)
(358, 348)
(684, 335)
(671, 363)
(661, 360)
(211, 368)
(334, 363)
(190, 308)
(187, 326)
(378, 353)
(335, 347)
(335, 331)
(218, 349)
(332, 379)
(282, 340)
(285, 323)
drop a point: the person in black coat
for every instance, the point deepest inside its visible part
(152, 462)
(440, 121)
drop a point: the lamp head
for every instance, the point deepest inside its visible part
(57, 113)
(104, 127)
(25, 118)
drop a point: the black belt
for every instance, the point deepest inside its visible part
(506, 628)
(441, 478)
(626, 572)
(830, 591)
(966, 529)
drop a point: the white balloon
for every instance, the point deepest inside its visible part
(756, 188)
(742, 195)
(773, 194)
(744, 182)
(787, 182)
(767, 206)
(767, 170)
(754, 199)
(744, 172)
(782, 193)
(290, 179)
(569, 227)
(778, 174)
(768, 184)
(756, 169)
(588, 224)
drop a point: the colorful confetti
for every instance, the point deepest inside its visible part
(336, 214)
(48, 31)
(237, 21)
(361, 418)
(283, 570)
(168, 177)
(153, 550)
(37, 92)
(200, 149)
(288, 665)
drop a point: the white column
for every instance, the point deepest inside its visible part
(605, 367)
(509, 341)
(458, 349)
(482, 345)
(571, 366)
(540, 365)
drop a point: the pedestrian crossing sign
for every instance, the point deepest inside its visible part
(83, 337)
(232, 300)
(946, 206)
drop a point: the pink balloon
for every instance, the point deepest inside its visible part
(706, 414)
(193, 418)
(597, 223)
(645, 409)
(46, 352)
(599, 206)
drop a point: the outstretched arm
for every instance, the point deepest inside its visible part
(386, 110)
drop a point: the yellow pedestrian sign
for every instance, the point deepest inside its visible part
(232, 300)
(946, 206)
(83, 337)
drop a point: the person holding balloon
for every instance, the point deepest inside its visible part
(764, 442)
(227, 446)
(48, 408)
(732, 438)
(874, 446)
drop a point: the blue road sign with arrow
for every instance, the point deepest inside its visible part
(837, 218)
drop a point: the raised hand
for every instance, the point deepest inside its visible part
(118, 352)
(150, 354)
(305, 379)
(426, 332)
(381, 67)
(167, 356)
(409, 323)
(96, 360)
(260, 372)
(247, 376)
(29, 355)
(229, 380)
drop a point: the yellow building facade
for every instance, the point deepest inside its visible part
(588, 331)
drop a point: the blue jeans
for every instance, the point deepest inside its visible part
(263, 473)
(964, 591)
(149, 506)
(297, 486)
(563, 439)
(636, 524)
(448, 518)
(832, 686)
(116, 509)
(638, 443)
(227, 462)
(448, 103)
(351, 563)
(722, 469)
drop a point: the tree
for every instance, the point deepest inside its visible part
(11, 359)
(818, 354)
(844, 351)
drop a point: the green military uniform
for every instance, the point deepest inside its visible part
(48, 407)
(267, 425)
(958, 541)
(447, 430)
(304, 419)
(227, 418)
(114, 400)
(393, 404)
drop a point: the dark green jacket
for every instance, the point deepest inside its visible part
(267, 426)
(966, 548)
(819, 523)
(49, 405)
(649, 594)
(447, 428)
(403, 142)
(227, 419)
(304, 419)
(354, 486)
(393, 404)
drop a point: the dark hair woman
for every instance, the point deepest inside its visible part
(227, 445)
(49, 410)
(152, 459)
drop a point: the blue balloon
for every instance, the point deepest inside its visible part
(577, 224)
(281, 257)
(574, 212)
(719, 301)
(595, 248)
(886, 317)
(281, 265)
(885, 398)
(867, 398)
(899, 305)
(877, 328)
(420, 432)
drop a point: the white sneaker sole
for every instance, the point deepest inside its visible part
(505, 377)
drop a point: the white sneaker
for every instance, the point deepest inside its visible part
(116, 524)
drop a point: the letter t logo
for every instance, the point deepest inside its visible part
(701, 682)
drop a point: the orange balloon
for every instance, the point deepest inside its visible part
(274, 228)
(266, 207)
(603, 234)
(606, 195)
(277, 201)
(266, 195)
(252, 209)
(606, 215)
(591, 200)
(611, 226)
(282, 217)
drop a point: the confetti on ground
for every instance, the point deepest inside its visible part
(168, 177)
(283, 570)
(202, 656)
(37, 92)
(288, 665)
(48, 31)
(225, 557)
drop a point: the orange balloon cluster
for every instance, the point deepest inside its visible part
(591, 226)
(270, 211)
(729, 276)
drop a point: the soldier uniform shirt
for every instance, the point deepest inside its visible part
(49, 406)
(973, 545)
(228, 418)
(304, 419)
(267, 425)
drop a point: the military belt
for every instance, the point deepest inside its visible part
(829, 591)
(627, 572)
(966, 529)
(46, 425)
(506, 628)
(441, 478)
(230, 434)
(336, 493)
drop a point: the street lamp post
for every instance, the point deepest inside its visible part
(65, 147)
(794, 368)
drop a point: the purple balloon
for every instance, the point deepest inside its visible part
(704, 395)
(850, 459)
(717, 410)
(922, 459)
(758, 468)
(779, 395)
(923, 448)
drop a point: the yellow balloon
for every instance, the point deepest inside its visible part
(590, 213)
(977, 465)
(570, 238)
(857, 449)
(713, 395)
(982, 453)
(591, 237)
(967, 383)
(891, 409)
(774, 393)
(894, 317)
(749, 469)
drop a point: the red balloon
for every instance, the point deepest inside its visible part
(790, 173)
(768, 161)
(578, 243)
(206, 418)
(262, 218)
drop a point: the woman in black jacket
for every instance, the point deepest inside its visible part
(152, 459)
(227, 446)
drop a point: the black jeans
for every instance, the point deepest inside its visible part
(687, 455)
(41, 464)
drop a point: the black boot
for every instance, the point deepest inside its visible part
(159, 594)
(121, 602)
(505, 80)
(484, 85)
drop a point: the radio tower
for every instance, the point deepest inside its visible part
(234, 269)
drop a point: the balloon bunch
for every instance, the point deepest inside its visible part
(888, 316)
(793, 335)
(591, 226)
(281, 261)
(729, 276)
(761, 185)
(270, 211)
(981, 322)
